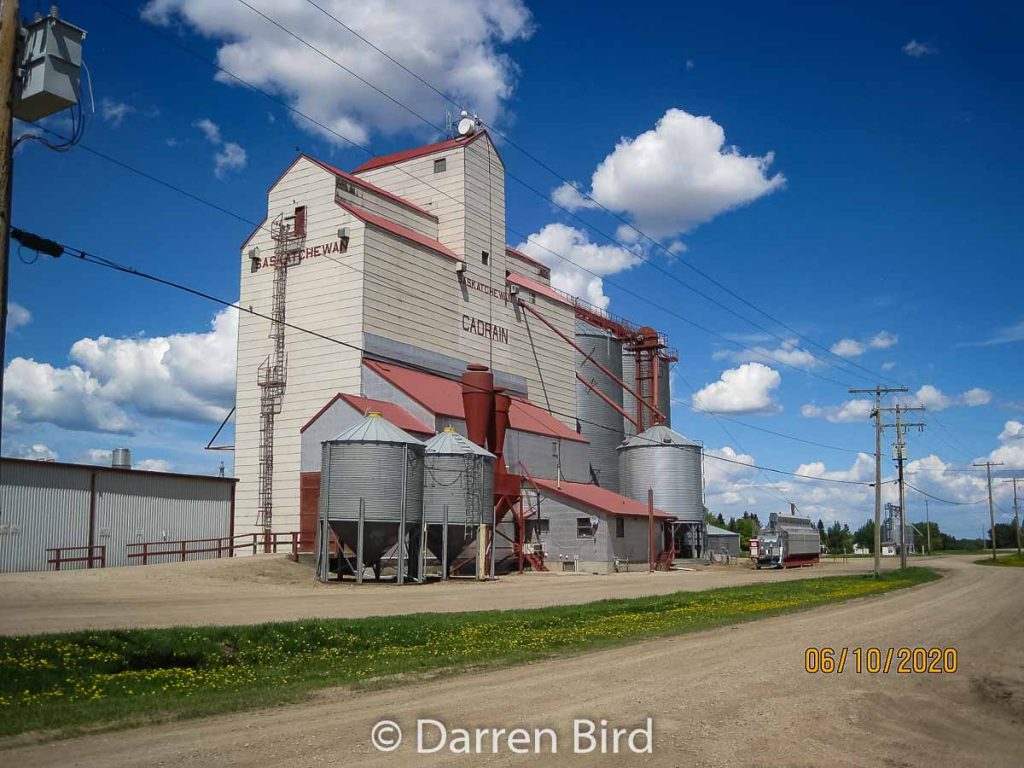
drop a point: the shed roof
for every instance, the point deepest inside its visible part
(121, 470)
(371, 187)
(537, 287)
(398, 230)
(393, 412)
(714, 530)
(599, 498)
(523, 257)
(443, 397)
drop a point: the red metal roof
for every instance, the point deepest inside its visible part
(397, 229)
(536, 287)
(394, 413)
(371, 187)
(523, 257)
(599, 498)
(409, 154)
(443, 397)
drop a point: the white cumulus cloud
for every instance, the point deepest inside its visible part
(35, 451)
(458, 45)
(848, 348)
(674, 177)
(746, 389)
(114, 112)
(230, 156)
(788, 352)
(849, 411)
(186, 376)
(17, 316)
(915, 49)
(573, 245)
(883, 340)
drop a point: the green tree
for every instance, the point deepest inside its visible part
(821, 530)
(720, 521)
(865, 536)
(838, 538)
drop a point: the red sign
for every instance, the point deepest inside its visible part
(294, 259)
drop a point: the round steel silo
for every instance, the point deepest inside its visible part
(458, 486)
(669, 464)
(628, 401)
(665, 390)
(599, 422)
(372, 470)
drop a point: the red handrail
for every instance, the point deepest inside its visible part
(181, 549)
(57, 557)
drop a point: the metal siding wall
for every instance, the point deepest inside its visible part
(634, 546)
(599, 422)
(41, 506)
(561, 543)
(134, 507)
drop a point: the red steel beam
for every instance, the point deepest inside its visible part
(591, 359)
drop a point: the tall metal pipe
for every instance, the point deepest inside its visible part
(478, 402)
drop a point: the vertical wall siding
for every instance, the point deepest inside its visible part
(41, 506)
(134, 507)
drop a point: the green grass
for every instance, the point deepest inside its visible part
(1012, 561)
(61, 683)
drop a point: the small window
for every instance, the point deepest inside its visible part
(440, 165)
(485, 257)
(584, 528)
(542, 526)
(620, 527)
(300, 221)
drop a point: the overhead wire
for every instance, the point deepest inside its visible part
(525, 237)
(874, 376)
(92, 258)
(261, 226)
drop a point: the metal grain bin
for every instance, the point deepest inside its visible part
(374, 466)
(599, 422)
(628, 401)
(671, 465)
(458, 476)
(665, 390)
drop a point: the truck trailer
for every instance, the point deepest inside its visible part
(786, 542)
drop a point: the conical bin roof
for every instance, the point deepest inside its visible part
(374, 428)
(451, 443)
(658, 435)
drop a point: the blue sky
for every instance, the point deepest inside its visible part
(874, 188)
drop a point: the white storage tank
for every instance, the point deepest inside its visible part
(668, 463)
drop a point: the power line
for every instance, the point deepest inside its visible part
(525, 237)
(944, 501)
(263, 227)
(91, 258)
(874, 375)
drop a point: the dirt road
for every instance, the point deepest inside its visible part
(272, 588)
(731, 696)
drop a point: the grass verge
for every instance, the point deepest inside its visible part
(1012, 561)
(62, 683)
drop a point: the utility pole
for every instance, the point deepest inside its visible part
(927, 528)
(8, 61)
(991, 504)
(1016, 510)
(876, 414)
(901, 456)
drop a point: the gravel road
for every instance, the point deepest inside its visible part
(251, 590)
(731, 696)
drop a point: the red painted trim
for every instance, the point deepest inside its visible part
(420, 427)
(398, 230)
(429, 149)
(252, 234)
(523, 257)
(372, 188)
(538, 288)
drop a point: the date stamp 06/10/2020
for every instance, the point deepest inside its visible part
(874, 661)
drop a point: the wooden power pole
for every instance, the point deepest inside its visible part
(991, 504)
(8, 62)
(901, 457)
(876, 414)
(1016, 511)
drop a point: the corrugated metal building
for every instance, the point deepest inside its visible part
(45, 505)
(720, 538)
